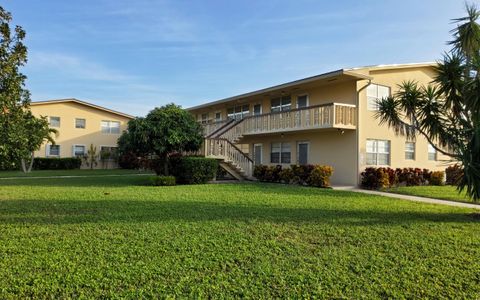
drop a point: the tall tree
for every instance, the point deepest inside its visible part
(165, 130)
(446, 112)
(21, 133)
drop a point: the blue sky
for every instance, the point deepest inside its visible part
(135, 55)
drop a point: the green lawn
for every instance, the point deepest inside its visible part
(116, 237)
(79, 172)
(446, 192)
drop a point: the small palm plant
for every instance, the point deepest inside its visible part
(91, 158)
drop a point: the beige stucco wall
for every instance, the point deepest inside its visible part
(327, 147)
(369, 128)
(68, 135)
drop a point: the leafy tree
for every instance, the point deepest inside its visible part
(165, 130)
(447, 111)
(20, 132)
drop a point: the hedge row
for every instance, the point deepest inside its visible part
(193, 169)
(454, 174)
(49, 163)
(312, 175)
(378, 178)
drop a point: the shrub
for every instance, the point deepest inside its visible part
(376, 178)
(48, 163)
(436, 178)
(286, 175)
(313, 175)
(193, 170)
(454, 174)
(301, 173)
(129, 161)
(259, 172)
(320, 176)
(413, 176)
(162, 180)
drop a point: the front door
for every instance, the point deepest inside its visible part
(302, 153)
(257, 154)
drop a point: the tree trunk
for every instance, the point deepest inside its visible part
(24, 167)
(31, 162)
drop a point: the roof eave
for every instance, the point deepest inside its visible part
(285, 85)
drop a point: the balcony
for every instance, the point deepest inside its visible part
(333, 115)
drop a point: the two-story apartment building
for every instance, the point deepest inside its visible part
(325, 119)
(79, 125)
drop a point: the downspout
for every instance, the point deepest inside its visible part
(357, 140)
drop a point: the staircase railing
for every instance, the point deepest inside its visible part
(222, 148)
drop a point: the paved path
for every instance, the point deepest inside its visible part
(408, 197)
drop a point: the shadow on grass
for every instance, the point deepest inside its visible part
(137, 211)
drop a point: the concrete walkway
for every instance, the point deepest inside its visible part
(408, 197)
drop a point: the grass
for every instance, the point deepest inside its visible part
(114, 237)
(77, 172)
(446, 192)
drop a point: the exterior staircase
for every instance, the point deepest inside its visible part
(220, 144)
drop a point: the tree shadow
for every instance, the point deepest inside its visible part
(43, 212)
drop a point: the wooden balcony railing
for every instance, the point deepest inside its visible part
(224, 149)
(333, 115)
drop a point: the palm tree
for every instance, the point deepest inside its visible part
(446, 112)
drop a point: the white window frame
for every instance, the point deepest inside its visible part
(376, 151)
(110, 127)
(261, 152)
(298, 151)
(281, 151)
(300, 95)
(374, 107)
(80, 145)
(410, 151)
(47, 150)
(59, 121)
(434, 152)
(75, 123)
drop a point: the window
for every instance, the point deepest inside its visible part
(432, 153)
(302, 101)
(111, 127)
(80, 123)
(281, 104)
(280, 153)
(78, 150)
(302, 153)
(410, 150)
(375, 93)
(257, 109)
(218, 116)
(108, 152)
(238, 112)
(55, 121)
(53, 150)
(378, 152)
(205, 118)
